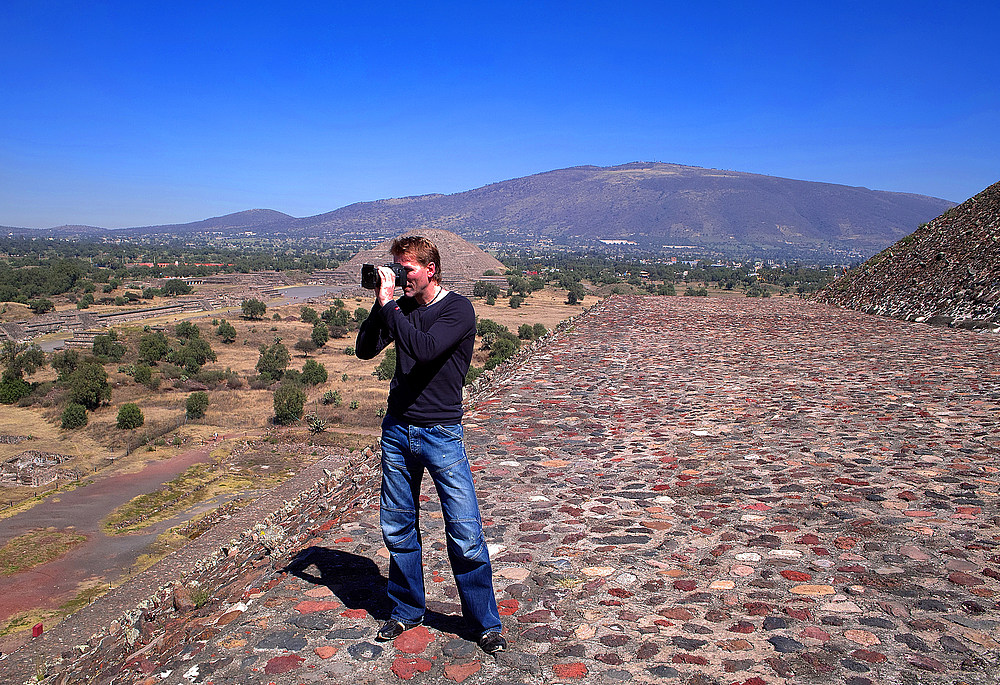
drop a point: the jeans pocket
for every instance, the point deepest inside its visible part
(455, 431)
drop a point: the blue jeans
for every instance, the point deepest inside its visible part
(406, 451)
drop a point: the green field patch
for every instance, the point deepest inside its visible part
(36, 548)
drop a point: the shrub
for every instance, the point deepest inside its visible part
(153, 347)
(316, 424)
(516, 301)
(107, 346)
(289, 402)
(387, 367)
(309, 315)
(143, 374)
(253, 309)
(226, 331)
(175, 286)
(539, 330)
(333, 397)
(525, 331)
(13, 389)
(130, 416)
(320, 334)
(349, 350)
(74, 416)
(197, 403)
(186, 329)
(88, 385)
(314, 373)
(273, 360)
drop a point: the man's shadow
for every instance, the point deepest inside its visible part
(359, 584)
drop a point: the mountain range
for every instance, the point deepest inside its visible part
(649, 203)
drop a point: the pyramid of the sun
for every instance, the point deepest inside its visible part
(462, 263)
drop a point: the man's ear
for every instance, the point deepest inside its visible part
(432, 271)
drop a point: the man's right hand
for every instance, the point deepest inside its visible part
(387, 286)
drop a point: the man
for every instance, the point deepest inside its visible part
(434, 331)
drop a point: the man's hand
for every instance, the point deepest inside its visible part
(387, 285)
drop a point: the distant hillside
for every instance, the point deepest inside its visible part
(253, 220)
(947, 272)
(652, 204)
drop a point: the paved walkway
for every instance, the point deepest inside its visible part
(684, 490)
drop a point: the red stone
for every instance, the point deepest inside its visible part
(795, 575)
(537, 616)
(689, 659)
(459, 672)
(574, 670)
(354, 613)
(799, 614)
(807, 539)
(844, 542)
(283, 664)
(870, 657)
(325, 651)
(311, 606)
(815, 633)
(742, 627)
(960, 578)
(406, 668)
(508, 607)
(414, 641)
(685, 585)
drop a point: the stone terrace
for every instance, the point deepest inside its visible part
(676, 490)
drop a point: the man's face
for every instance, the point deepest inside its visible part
(419, 283)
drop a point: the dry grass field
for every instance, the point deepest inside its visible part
(233, 412)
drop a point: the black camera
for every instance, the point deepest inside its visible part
(370, 279)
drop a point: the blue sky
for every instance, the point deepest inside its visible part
(130, 113)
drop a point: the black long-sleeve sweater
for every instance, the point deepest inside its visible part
(434, 345)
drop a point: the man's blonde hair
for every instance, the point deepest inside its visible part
(420, 250)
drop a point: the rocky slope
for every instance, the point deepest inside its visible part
(947, 272)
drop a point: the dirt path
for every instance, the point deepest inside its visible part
(100, 558)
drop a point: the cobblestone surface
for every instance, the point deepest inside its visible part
(676, 490)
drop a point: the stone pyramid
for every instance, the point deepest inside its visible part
(947, 272)
(462, 263)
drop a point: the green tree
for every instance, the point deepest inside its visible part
(130, 416)
(289, 403)
(309, 315)
(320, 334)
(226, 331)
(65, 362)
(387, 367)
(174, 287)
(253, 309)
(85, 301)
(305, 346)
(525, 331)
(575, 294)
(41, 306)
(74, 416)
(186, 329)
(107, 346)
(153, 347)
(88, 384)
(143, 374)
(539, 330)
(485, 289)
(20, 359)
(196, 404)
(314, 373)
(192, 354)
(273, 361)
(360, 314)
(516, 301)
